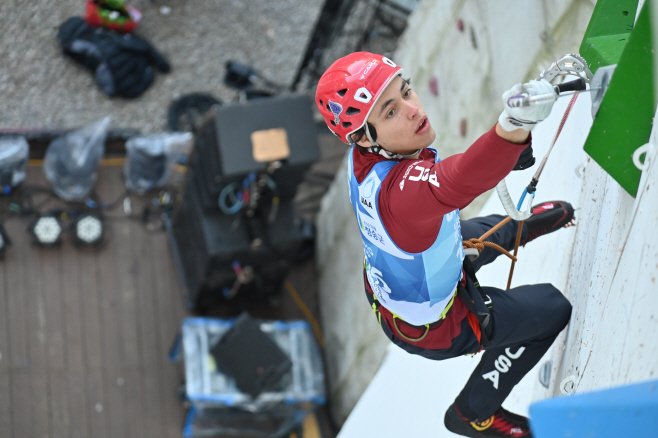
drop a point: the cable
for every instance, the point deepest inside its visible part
(232, 191)
(305, 310)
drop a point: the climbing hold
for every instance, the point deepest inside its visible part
(568, 385)
(545, 373)
(646, 151)
(434, 86)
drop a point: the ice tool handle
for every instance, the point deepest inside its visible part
(524, 100)
(570, 64)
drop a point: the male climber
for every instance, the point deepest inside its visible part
(407, 202)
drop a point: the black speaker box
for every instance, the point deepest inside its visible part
(210, 243)
(224, 149)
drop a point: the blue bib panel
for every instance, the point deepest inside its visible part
(415, 286)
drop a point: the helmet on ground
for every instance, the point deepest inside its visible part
(349, 89)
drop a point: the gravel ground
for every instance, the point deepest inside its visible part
(40, 88)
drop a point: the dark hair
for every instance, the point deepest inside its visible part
(360, 133)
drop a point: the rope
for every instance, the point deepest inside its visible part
(540, 169)
(516, 250)
(480, 244)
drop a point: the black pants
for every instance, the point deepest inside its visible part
(526, 321)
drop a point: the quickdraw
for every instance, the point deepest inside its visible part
(570, 64)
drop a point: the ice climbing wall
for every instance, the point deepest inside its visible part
(461, 56)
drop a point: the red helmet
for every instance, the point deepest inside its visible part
(349, 89)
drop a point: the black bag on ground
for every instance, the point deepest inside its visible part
(121, 63)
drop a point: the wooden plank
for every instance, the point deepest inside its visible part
(17, 331)
(90, 306)
(35, 314)
(59, 404)
(30, 414)
(52, 314)
(33, 282)
(5, 366)
(78, 404)
(99, 417)
(4, 317)
(172, 312)
(5, 403)
(149, 342)
(5, 387)
(123, 235)
(134, 368)
(110, 322)
(133, 394)
(71, 303)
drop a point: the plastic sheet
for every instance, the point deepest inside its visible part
(14, 153)
(71, 160)
(150, 158)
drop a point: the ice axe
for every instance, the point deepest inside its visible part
(598, 86)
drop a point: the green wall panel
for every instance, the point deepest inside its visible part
(624, 120)
(607, 32)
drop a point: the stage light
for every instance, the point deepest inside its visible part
(47, 230)
(88, 230)
(4, 241)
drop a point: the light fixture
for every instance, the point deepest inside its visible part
(88, 230)
(4, 241)
(47, 230)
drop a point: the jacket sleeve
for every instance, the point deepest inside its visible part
(417, 193)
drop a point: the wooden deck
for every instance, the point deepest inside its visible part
(84, 333)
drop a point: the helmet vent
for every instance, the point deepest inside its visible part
(328, 109)
(346, 124)
(352, 111)
(342, 92)
(321, 103)
(332, 123)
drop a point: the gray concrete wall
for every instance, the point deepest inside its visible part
(355, 344)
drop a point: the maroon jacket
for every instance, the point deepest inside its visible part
(412, 210)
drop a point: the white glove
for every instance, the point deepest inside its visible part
(526, 117)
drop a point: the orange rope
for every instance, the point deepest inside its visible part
(479, 244)
(516, 250)
(495, 228)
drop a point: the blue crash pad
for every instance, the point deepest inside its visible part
(625, 411)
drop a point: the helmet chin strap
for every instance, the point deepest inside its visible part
(377, 149)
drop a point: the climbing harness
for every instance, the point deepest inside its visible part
(570, 64)
(480, 307)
